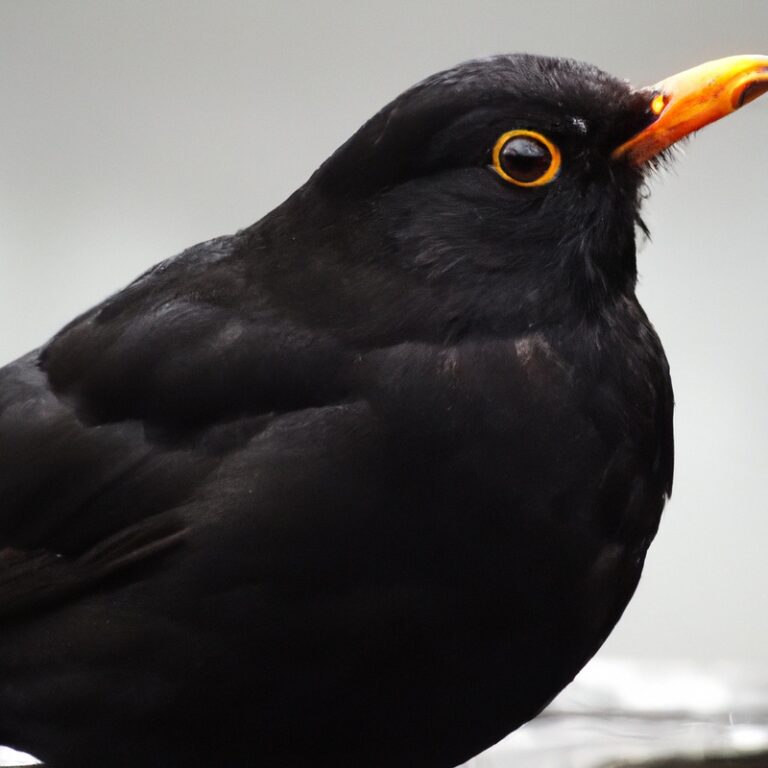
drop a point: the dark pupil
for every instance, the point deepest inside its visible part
(525, 159)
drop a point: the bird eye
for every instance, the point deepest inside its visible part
(526, 158)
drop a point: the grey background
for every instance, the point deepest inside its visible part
(130, 130)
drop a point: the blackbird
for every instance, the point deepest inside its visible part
(368, 482)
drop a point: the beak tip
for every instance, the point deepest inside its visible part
(752, 91)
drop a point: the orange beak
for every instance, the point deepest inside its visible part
(692, 99)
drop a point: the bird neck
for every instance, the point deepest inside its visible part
(378, 270)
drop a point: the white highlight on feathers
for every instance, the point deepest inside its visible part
(580, 124)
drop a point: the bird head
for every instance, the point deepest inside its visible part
(509, 188)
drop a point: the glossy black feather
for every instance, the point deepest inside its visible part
(364, 484)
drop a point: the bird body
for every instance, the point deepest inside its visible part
(366, 483)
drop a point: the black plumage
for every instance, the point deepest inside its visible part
(364, 484)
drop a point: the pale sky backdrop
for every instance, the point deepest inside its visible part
(130, 130)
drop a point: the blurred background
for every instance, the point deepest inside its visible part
(130, 130)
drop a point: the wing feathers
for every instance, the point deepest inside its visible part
(32, 579)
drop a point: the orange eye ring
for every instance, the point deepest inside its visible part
(546, 176)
